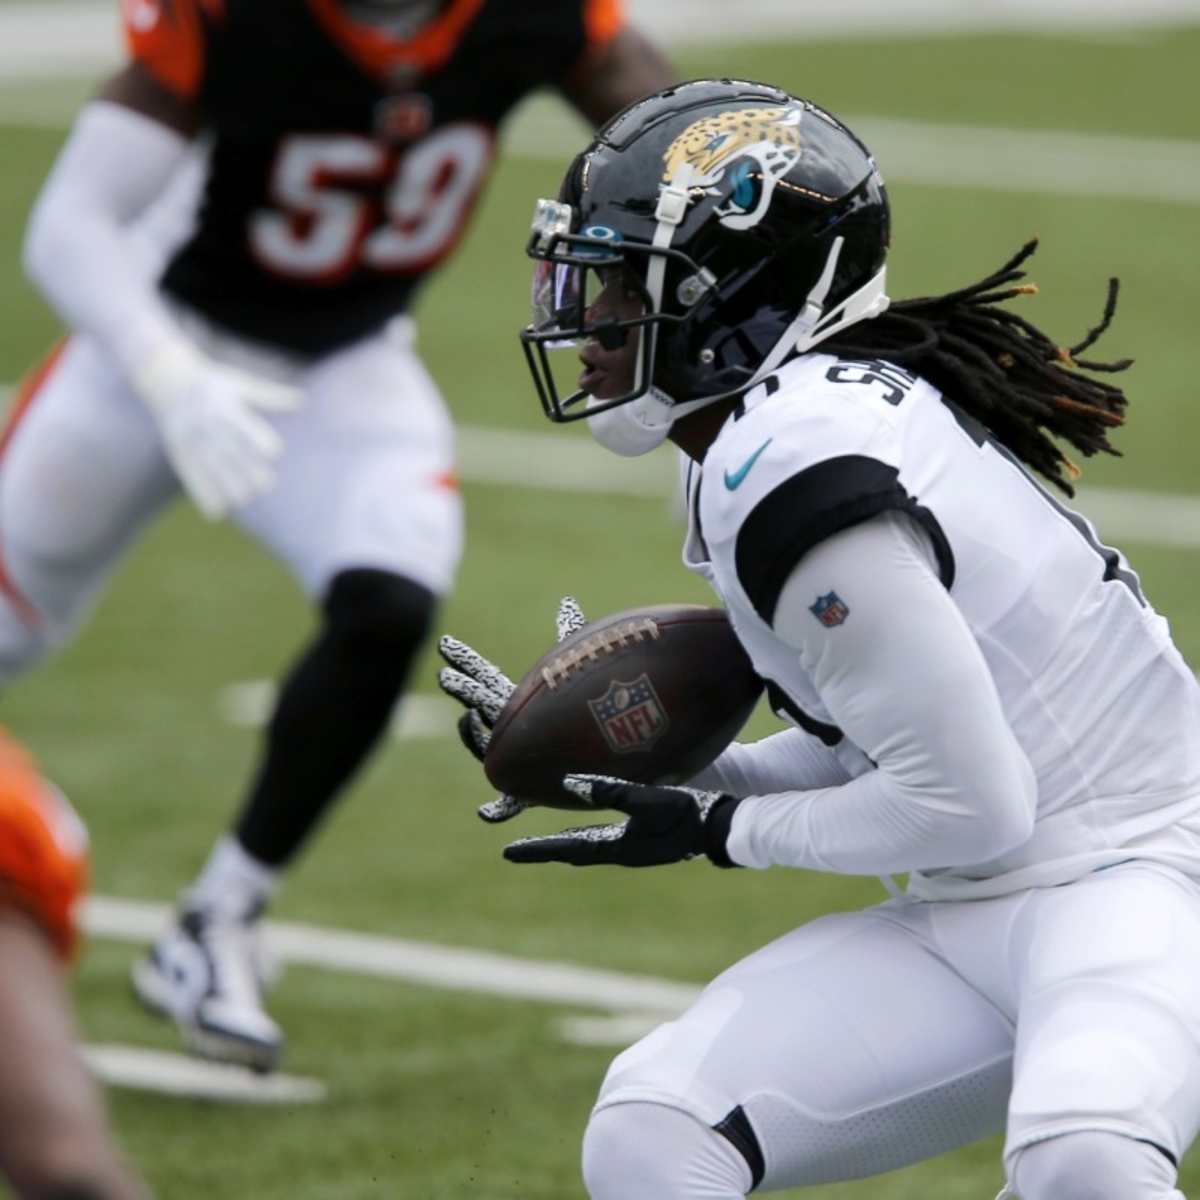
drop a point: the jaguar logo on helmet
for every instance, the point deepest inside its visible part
(756, 146)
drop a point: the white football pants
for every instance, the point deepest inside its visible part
(865, 1041)
(365, 479)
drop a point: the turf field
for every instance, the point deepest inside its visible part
(438, 1094)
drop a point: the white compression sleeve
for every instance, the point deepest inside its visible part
(785, 760)
(77, 245)
(905, 680)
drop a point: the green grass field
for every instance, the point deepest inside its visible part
(434, 1094)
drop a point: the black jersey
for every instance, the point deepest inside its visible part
(344, 162)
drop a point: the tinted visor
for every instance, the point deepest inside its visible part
(555, 297)
(577, 301)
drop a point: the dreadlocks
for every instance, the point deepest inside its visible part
(1005, 372)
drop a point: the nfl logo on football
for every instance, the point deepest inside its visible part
(630, 715)
(831, 610)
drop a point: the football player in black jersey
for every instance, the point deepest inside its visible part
(234, 232)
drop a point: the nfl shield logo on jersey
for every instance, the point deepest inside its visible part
(830, 609)
(630, 715)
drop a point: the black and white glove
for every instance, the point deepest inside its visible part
(483, 689)
(664, 825)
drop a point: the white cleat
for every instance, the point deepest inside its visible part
(205, 974)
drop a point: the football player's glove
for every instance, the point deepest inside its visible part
(484, 689)
(209, 415)
(663, 825)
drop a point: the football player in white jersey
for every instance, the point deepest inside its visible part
(983, 698)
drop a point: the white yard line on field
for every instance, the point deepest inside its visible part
(418, 962)
(924, 153)
(1030, 160)
(701, 22)
(557, 461)
(37, 39)
(41, 42)
(633, 1004)
(935, 154)
(249, 703)
(182, 1075)
(622, 1029)
(1124, 515)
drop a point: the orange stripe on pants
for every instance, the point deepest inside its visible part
(26, 391)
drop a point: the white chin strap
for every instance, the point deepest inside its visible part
(812, 324)
(638, 427)
(641, 425)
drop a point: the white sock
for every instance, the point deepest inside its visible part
(232, 880)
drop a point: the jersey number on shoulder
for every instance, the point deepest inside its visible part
(895, 381)
(344, 201)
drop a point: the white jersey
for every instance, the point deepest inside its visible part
(1097, 696)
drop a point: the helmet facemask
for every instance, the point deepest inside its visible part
(594, 285)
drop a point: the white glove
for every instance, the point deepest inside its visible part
(208, 413)
(483, 689)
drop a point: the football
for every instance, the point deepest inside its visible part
(650, 694)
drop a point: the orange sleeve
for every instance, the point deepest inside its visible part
(167, 38)
(43, 848)
(603, 20)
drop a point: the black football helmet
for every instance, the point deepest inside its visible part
(752, 223)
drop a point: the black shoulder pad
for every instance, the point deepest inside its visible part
(813, 505)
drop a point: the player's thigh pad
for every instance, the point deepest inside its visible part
(850, 1048)
(82, 470)
(366, 478)
(1108, 1034)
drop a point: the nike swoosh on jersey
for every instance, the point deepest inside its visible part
(734, 481)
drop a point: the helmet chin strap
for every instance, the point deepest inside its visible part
(641, 425)
(638, 427)
(670, 212)
(812, 324)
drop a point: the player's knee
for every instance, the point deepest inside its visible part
(1092, 1165)
(640, 1151)
(378, 613)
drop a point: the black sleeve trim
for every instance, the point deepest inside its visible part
(782, 705)
(813, 505)
(1161, 1149)
(736, 1129)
